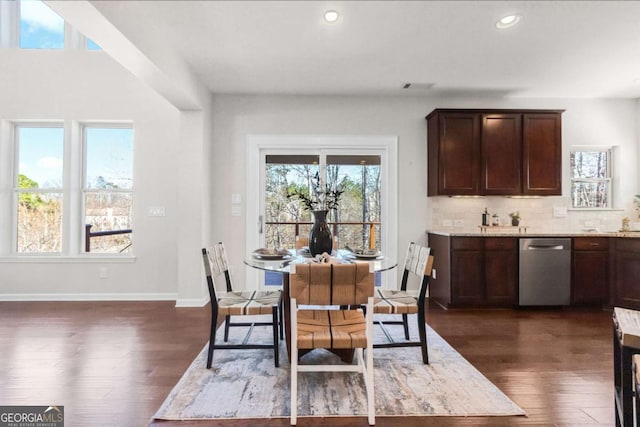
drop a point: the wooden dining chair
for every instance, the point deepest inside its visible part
(326, 312)
(237, 303)
(418, 263)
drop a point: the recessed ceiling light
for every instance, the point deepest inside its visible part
(331, 16)
(508, 21)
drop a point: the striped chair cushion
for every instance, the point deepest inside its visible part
(394, 302)
(248, 303)
(331, 329)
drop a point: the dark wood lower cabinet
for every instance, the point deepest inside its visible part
(627, 273)
(501, 276)
(590, 271)
(467, 277)
(483, 271)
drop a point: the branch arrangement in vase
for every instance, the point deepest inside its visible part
(320, 199)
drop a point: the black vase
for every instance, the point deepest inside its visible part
(320, 238)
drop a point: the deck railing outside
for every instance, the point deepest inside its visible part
(367, 237)
(88, 234)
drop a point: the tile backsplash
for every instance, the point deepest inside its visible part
(540, 214)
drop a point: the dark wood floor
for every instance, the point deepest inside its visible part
(113, 363)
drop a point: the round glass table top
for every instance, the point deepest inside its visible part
(282, 263)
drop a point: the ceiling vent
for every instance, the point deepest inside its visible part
(418, 86)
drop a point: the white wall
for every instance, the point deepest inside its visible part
(80, 85)
(595, 122)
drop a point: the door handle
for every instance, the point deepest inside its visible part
(260, 221)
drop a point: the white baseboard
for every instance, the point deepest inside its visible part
(89, 297)
(192, 302)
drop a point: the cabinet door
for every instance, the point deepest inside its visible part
(458, 154)
(501, 154)
(589, 277)
(627, 271)
(467, 277)
(501, 271)
(542, 154)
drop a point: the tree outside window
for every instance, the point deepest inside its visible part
(591, 178)
(357, 176)
(38, 187)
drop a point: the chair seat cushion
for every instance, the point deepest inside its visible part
(394, 302)
(331, 329)
(248, 303)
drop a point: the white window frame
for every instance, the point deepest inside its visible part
(16, 191)
(72, 194)
(608, 180)
(83, 131)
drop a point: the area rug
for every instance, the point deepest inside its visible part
(245, 384)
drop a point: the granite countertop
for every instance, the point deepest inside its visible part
(513, 232)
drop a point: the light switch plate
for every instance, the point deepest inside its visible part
(156, 211)
(236, 199)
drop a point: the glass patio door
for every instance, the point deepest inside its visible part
(363, 170)
(355, 221)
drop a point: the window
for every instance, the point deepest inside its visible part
(40, 27)
(269, 163)
(38, 188)
(357, 215)
(591, 177)
(108, 188)
(91, 45)
(32, 24)
(72, 189)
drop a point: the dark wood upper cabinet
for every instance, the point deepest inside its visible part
(457, 157)
(494, 152)
(542, 154)
(501, 146)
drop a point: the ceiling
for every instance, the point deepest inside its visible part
(559, 49)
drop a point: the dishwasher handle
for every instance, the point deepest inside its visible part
(538, 247)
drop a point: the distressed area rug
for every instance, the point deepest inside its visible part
(245, 384)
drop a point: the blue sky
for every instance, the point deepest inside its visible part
(42, 28)
(109, 154)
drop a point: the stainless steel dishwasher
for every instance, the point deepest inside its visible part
(545, 271)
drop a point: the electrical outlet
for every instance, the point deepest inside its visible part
(559, 212)
(447, 223)
(458, 223)
(103, 273)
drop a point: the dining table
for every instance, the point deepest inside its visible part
(281, 263)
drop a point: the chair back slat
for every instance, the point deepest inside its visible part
(215, 264)
(331, 284)
(417, 260)
(217, 257)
